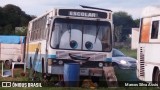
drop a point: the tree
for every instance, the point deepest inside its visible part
(12, 16)
(8, 29)
(137, 22)
(126, 22)
(21, 31)
(1, 15)
(117, 33)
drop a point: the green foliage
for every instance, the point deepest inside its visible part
(117, 33)
(123, 25)
(122, 18)
(128, 52)
(12, 16)
(22, 31)
(137, 21)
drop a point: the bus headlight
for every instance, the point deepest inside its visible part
(123, 62)
(49, 61)
(100, 64)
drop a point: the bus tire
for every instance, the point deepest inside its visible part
(115, 65)
(157, 77)
(43, 74)
(32, 72)
(30, 63)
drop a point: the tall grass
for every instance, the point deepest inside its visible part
(128, 52)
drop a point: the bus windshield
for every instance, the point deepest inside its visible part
(84, 35)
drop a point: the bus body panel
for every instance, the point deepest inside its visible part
(148, 58)
(149, 45)
(39, 45)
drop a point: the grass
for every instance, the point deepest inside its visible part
(17, 75)
(78, 88)
(129, 52)
(131, 74)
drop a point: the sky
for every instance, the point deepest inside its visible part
(38, 7)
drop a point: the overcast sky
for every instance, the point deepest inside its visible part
(38, 7)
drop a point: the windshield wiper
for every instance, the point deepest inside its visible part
(69, 30)
(97, 30)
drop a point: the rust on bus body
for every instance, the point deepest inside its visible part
(145, 30)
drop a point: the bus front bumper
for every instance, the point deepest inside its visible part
(83, 71)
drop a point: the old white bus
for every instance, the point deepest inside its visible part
(64, 36)
(149, 45)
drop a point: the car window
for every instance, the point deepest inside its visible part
(117, 53)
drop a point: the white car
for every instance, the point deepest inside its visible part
(122, 61)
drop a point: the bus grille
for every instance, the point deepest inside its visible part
(141, 62)
(93, 56)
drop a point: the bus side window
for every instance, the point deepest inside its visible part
(155, 27)
(34, 35)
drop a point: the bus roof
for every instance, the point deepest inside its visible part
(53, 11)
(151, 11)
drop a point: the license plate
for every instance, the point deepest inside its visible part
(84, 71)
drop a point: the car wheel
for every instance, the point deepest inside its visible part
(115, 65)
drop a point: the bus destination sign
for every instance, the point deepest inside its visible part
(82, 13)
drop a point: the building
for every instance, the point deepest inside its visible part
(134, 38)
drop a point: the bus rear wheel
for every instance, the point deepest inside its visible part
(157, 77)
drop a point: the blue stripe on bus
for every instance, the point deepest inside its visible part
(38, 66)
(108, 60)
(38, 63)
(42, 55)
(51, 56)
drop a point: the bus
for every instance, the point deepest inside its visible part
(148, 68)
(62, 36)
